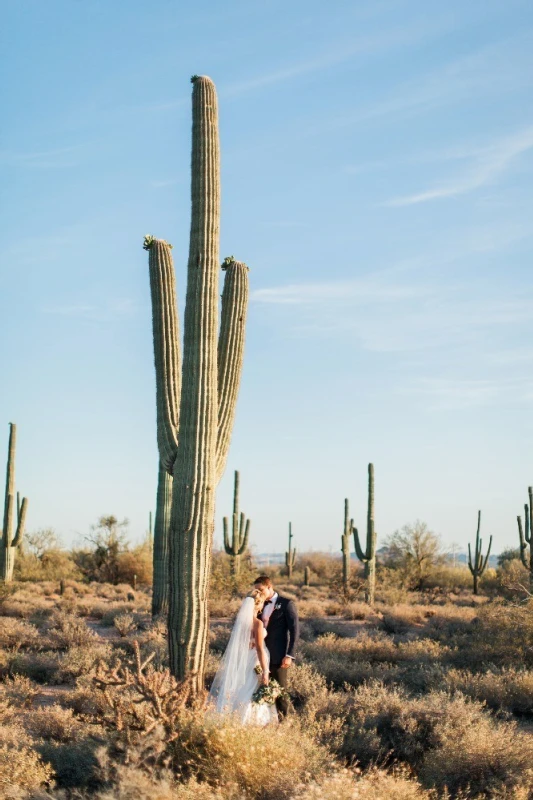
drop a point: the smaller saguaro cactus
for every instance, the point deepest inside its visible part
(307, 576)
(478, 566)
(368, 556)
(290, 555)
(240, 532)
(10, 542)
(345, 546)
(526, 537)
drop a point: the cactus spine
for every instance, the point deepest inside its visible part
(240, 533)
(526, 537)
(345, 547)
(290, 555)
(10, 542)
(368, 556)
(195, 416)
(478, 566)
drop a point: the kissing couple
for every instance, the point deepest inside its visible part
(261, 648)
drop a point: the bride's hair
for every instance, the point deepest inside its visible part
(259, 600)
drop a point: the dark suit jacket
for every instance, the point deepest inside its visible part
(283, 631)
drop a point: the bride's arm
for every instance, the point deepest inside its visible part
(259, 636)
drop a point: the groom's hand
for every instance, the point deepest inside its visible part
(287, 662)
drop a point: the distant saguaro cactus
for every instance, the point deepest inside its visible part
(240, 532)
(368, 556)
(345, 547)
(290, 555)
(10, 542)
(478, 566)
(526, 537)
(195, 415)
(307, 576)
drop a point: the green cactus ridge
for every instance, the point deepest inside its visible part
(526, 536)
(196, 395)
(478, 564)
(236, 546)
(290, 555)
(368, 556)
(12, 505)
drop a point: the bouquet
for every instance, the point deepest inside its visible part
(267, 695)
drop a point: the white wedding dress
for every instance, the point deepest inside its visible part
(236, 681)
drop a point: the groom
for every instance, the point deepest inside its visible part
(280, 618)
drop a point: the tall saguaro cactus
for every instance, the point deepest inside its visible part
(290, 555)
(478, 566)
(11, 503)
(195, 414)
(345, 547)
(526, 537)
(240, 532)
(368, 555)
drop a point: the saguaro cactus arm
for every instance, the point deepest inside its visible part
(525, 538)
(167, 357)
(230, 352)
(21, 522)
(478, 564)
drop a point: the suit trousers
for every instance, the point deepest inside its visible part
(279, 674)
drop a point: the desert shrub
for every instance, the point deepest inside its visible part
(223, 606)
(74, 764)
(357, 611)
(53, 723)
(20, 690)
(401, 618)
(107, 612)
(125, 624)
(485, 759)
(385, 725)
(136, 562)
(375, 784)
(219, 637)
(261, 766)
(18, 633)
(66, 631)
(21, 768)
(81, 660)
(508, 688)
(40, 667)
(448, 577)
(53, 565)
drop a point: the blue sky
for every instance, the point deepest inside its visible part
(377, 163)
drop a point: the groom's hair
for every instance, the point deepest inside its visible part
(263, 580)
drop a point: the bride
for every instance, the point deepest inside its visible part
(237, 677)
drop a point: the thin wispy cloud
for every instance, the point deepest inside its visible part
(61, 158)
(382, 42)
(451, 393)
(353, 292)
(489, 164)
(106, 312)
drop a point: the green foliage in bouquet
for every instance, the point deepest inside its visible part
(267, 695)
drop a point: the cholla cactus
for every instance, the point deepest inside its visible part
(526, 537)
(240, 532)
(290, 555)
(10, 542)
(368, 556)
(195, 416)
(478, 566)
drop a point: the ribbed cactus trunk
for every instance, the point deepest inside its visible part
(526, 537)
(345, 547)
(368, 556)
(236, 545)
(160, 542)
(12, 503)
(478, 565)
(290, 555)
(195, 415)
(193, 506)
